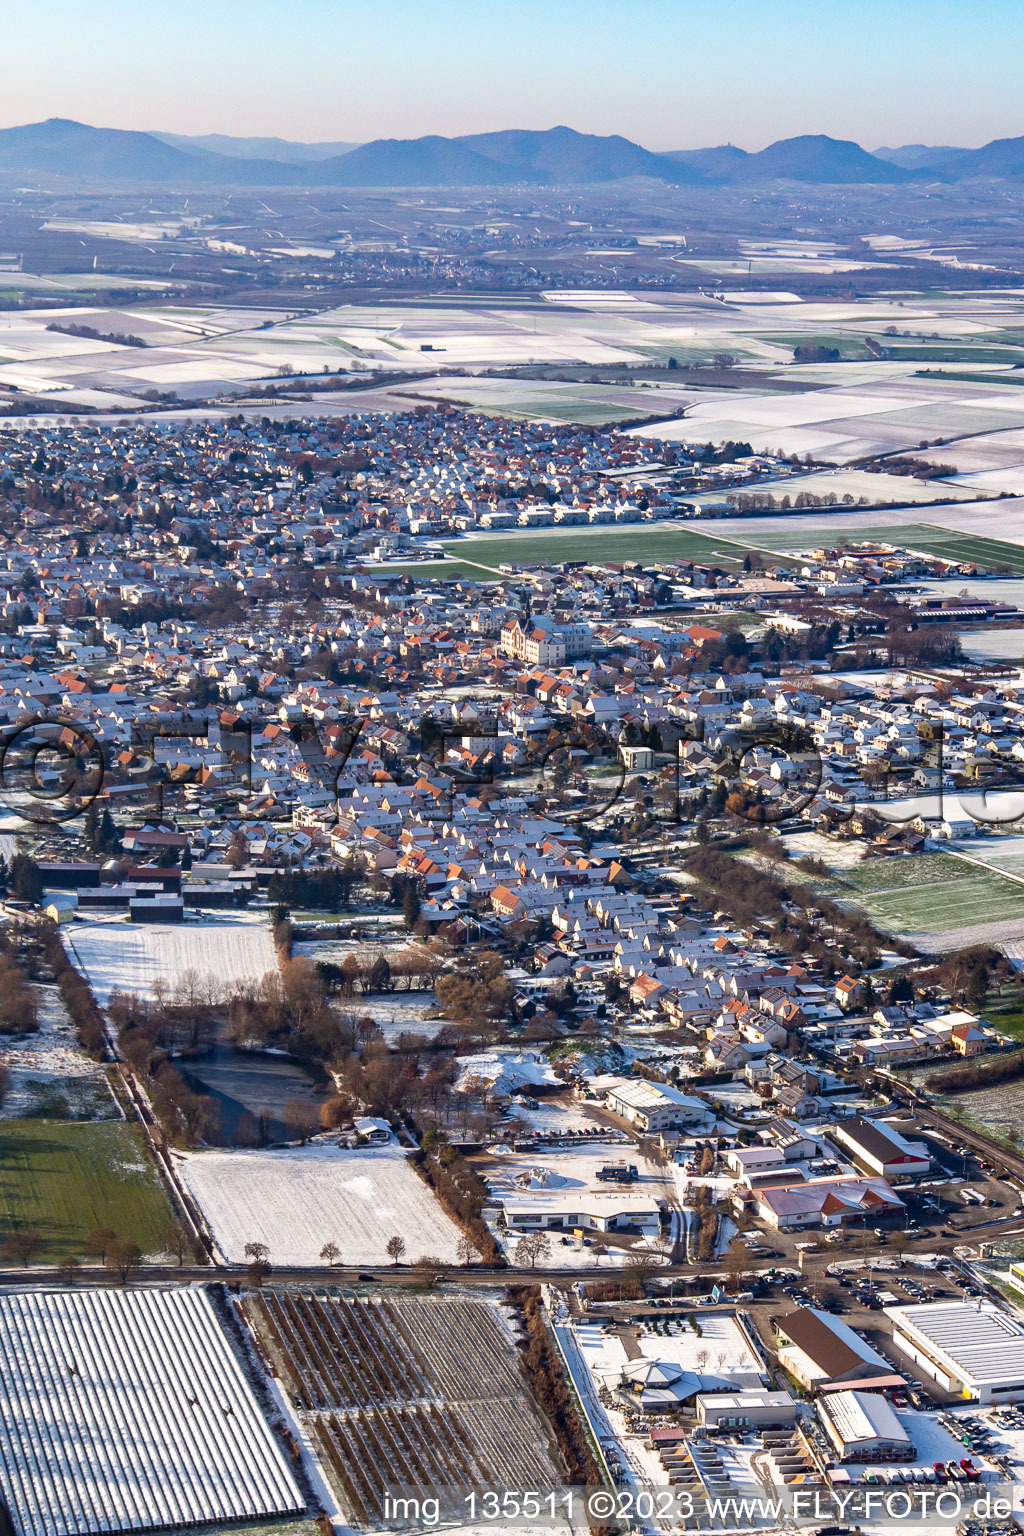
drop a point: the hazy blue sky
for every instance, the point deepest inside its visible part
(673, 74)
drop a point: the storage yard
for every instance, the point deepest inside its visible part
(130, 1412)
(406, 1393)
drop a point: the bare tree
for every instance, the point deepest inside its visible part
(123, 1255)
(641, 1264)
(301, 1119)
(257, 1252)
(257, 1272)
(330, 1253)
(97, 1243)
(466, 1251)
(178, 1237)
(531, 1248)
(431, 1268)
(23, 1245)
(395, 1248)
(68, 1268)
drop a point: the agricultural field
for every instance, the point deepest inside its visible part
(917, 895)
(127, 957)
(63, 1179)
(643, 541)
(154, 1425)
(899, 490)
(1003, 854)
(406, 1392)
(298, 1199)
(589, 403)
(797, 534)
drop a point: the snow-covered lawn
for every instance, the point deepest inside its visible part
(50, 1068)
(397, 1013)
(129, 957)
(298, 1199)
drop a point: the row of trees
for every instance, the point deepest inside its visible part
(76, 994)
(19, 1011)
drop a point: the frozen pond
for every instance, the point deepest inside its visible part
(250, 1083)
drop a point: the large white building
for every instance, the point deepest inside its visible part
(541, 642)
(862, 1426)
(658, 1107)
(880, 1149)
(971, 1348)
(604, 1211)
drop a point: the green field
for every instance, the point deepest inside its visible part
(926, 538)
(638, 541)
(927, 893)
(478, 559)
(850, 348)
(63, 1179)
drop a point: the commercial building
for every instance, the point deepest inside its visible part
(879, 1149)
(822, 1203)
(658, 1107)
(625, 1211)
(971, 1348)
(862, 1426)
(745, 1410)
(825, 1355)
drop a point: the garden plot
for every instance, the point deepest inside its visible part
(127, 957)
(297, 1199)
(402, 1392)
(129, 1410)
(713, 1345)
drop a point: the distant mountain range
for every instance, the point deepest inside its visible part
(62, 149)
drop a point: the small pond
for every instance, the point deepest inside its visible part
(247, 1085)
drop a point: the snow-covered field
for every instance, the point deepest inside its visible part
(128, 957)
(297, 1200)
(837, 856)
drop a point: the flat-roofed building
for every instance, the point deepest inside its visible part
(825, 1355)
(862, 1426)
(568, 1209)
(658, 1107)
(745, 1410)
(880, 1149)
(972, 1348)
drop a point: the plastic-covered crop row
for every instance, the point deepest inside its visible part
(129, 1411)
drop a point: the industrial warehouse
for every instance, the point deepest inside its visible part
(975, 1350)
